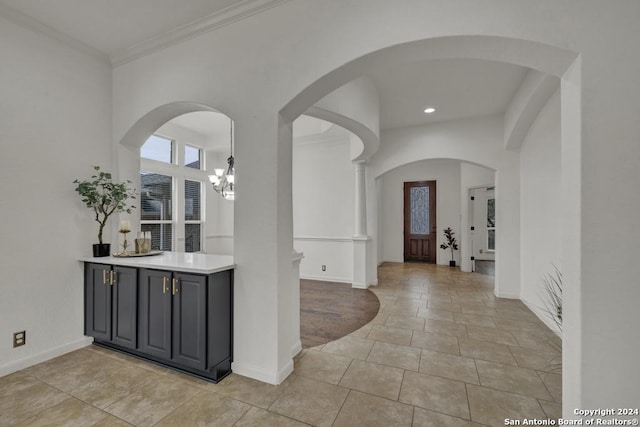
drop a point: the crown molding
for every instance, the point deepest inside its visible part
(236, 12)
(33, 24)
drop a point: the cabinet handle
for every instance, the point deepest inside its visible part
(174, 285)
(164, 285)
(104, 277)
(113, 277)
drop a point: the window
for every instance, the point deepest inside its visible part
(192, 215)
(156, 207)
(191, 157)
(491, 224)
(157, 148)
(172, 194)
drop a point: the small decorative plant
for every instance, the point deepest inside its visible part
(553, 302)
(105, 197)
(450, 243)
(553, 307)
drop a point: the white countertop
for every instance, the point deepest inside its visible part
(172, 261)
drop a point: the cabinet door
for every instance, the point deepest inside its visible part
(155, 313)
(189, 320)
(97, 318)
(125, 307)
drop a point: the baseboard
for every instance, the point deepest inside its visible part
(325, 278)
(550, 324)
(365, 285)
(297, 348)
(285, 372)
(506, 295)
(258, 373)
(34, 359)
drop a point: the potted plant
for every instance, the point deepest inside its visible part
(105, 198)
(450, 243)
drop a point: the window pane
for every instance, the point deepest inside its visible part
(191, 157)
(192, 200)
(419, 210)
(491, 241)
(192, 237)
(491, 212)
(157, 148)
(155, 197)
(161, 236)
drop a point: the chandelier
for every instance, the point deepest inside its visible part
(223, 181)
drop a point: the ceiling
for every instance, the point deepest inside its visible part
(113, 25)
(457, 88)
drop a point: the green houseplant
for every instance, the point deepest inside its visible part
(450, 243)
(553, 307)
(105, 198)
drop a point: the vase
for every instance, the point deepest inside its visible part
(452, 263)
(101, 249)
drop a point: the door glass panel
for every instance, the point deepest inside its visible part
(419, 210)
(491, 212)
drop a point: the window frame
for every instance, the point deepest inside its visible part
(179, 173)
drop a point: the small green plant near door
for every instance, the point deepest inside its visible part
(105, 198)
(450, 243)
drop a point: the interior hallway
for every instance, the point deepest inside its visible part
(442, 351)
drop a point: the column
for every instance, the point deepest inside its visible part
(360, 239)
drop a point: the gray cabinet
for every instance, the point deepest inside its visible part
(173, 318)
(111, 304)
(178, 319)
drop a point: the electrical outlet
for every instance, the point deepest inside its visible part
(19, 338)
(324, 268)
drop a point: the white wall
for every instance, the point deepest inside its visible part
(446, 173)
(541, 202)
(323, 209)
(55, 123)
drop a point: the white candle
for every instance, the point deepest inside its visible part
(125, 226)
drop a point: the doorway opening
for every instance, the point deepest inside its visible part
(482, 230)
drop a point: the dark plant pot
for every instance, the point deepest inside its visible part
(101, 249)
(452, 263)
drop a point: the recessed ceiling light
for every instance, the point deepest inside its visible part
(429, 110)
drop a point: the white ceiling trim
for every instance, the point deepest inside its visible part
(236, 12)
(33, 24)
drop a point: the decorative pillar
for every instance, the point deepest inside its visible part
(360, 239)
(296, 344)
(361, 200)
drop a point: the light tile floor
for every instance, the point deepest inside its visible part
(443, 351)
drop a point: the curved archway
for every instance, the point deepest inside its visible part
(208, 131)
(150, 122)
(538, 56)
(546, 58)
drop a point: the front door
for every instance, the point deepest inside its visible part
(420, 221)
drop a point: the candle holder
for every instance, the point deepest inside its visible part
(125, 243)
